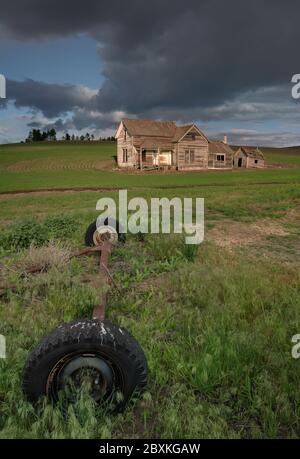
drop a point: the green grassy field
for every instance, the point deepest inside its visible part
(40, 166)
(216, 323)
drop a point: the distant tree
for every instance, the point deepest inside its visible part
(73, 137)
(82, 138)
(52, 134)
(29, 137)
(92, 137)
(67, 136)
(44, 135)
(36, 135)
(87, 136)
(77, 138)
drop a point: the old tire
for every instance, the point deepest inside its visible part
(108, 355)
(91, 231)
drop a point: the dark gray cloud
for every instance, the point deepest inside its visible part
(34, 124)
(168, 58)
(199, 55)
(51, 99)
(82, 119)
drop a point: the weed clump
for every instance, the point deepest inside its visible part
(42, 258)
(60, 226)
(26, 233)
(22, 235)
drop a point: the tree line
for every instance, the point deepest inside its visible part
(36, 135)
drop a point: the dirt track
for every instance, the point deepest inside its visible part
(49, 191)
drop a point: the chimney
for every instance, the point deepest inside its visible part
(225, 138)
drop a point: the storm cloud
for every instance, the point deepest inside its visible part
(193, 59)
(51, 99)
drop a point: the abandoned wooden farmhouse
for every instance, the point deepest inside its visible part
(153, 144)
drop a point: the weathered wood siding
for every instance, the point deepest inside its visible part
(251, 162)
(240, 155)
(148, 158)
(199, 145)
(214, 163)
(153, 158)
(166, 158)
(248, 161)
(125, 141)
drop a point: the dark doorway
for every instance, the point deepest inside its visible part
(240, 162)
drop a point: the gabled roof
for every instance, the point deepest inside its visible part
(252, 152)
(183, 130)
(149, 127)
(180, 131)
(217, 146)
(156, 129)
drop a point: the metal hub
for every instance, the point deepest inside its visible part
(93, 372)
(105, 233)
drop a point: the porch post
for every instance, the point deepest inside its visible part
(158, 164)
(141, 158)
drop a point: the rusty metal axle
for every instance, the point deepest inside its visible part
(105, 277)
(104, 249)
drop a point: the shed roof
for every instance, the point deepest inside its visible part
(217, 146)
(252, 152)
(153, 143)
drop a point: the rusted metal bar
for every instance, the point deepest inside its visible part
(99, 310)
(86, 251)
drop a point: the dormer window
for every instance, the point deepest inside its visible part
(190, 136)
(221, 158)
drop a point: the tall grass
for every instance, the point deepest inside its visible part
(217, 335)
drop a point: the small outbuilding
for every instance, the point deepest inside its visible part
(220, 154)
(248, 157)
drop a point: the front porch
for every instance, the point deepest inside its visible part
(156, 159)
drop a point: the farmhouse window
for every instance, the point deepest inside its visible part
(189, 156)
(190, 136)
(125, 155)
(220, 157)
(256, 161)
